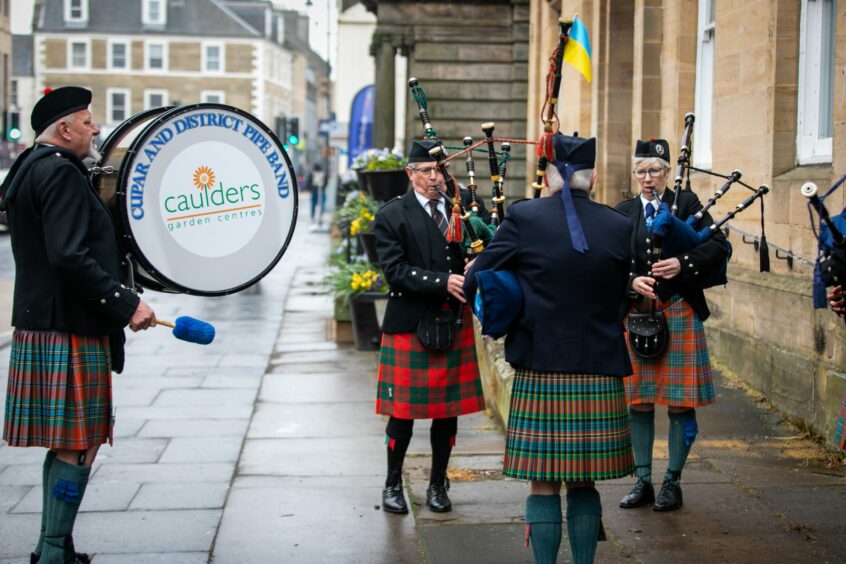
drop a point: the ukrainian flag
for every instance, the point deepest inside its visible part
(577, 51)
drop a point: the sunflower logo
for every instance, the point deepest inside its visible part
(203, 177)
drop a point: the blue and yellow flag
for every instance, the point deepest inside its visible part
(577, 51)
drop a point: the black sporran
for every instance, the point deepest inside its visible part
(648, 334)
(436, 330)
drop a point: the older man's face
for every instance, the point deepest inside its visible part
(426, 179)
(82, 131)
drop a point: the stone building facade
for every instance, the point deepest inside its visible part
(471, 59)
(764, 78)
(244, 53)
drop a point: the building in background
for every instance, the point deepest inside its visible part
(7, 149)
(762, 79)
(244, 53)
(354, 70)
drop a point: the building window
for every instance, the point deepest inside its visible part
(212, 57)
(154, 12)
(155, 56)
(117, 105)
(118, 55)
(76, 10)
(704, 95)
(213, 96)
(79, 55)
(816, 85)
(155, 99)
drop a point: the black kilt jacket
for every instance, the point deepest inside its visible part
(694, 263)
(573, 303)
(67, 257)
(416, 259)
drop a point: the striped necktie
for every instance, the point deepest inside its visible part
(439, 218)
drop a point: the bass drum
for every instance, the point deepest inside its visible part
(205, 198)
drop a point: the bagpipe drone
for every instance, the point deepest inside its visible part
(830, 267)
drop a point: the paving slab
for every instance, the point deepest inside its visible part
(100, 495)
(346, 456)
(10, 496)
(305, 388)
(153, 473)
(202, 397)
(194, 428)
(131, 451)
(320, 420)
(208, 495)
(205, 449)
(310, 525)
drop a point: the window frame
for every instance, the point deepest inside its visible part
(83, 10)
(810, 147)
(152, 92)
(205, 59)
(204, 95)
(110, 108)
(704, 88)
(146, 19)
(110, 56)
(147, 45)
(79, 41)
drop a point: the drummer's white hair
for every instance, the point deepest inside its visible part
(580, 180)
(50, 131)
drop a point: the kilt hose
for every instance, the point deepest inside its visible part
(840, 426)
(59, 394)
(681, 377)
(416, 383)
(567, 427)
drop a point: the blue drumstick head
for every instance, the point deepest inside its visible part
(193, 330)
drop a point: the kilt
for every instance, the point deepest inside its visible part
(681, 377)
(840, 426)
(415, 383)
(59, 393)
(567, 427)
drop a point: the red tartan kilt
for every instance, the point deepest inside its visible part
(415, 383)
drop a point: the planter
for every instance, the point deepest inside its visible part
(367, 241)
(384, 185)
(362, 180)
(366, 331)
(341, 313)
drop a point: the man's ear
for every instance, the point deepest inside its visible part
(409, 172)
(63, 129)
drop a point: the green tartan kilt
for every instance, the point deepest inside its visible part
(567, 427)
(59, 393)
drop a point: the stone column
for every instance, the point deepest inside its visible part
(384, 52)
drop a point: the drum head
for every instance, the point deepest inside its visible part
(206, 200)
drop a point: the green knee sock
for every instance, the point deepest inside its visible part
(642, 425)
(683, 431)
(584, 513)
(45, 496)
(67, 486)
(543, 516)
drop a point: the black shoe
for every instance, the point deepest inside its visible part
(669, 498)
(602, 535)
(393, 500)
(641, 494)
(78, 557)
(437, 498)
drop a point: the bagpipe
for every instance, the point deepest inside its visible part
(830, 266)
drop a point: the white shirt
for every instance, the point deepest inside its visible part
(424, 201)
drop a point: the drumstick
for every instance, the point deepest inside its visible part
(190, 329)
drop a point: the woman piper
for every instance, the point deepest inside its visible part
(680, 378)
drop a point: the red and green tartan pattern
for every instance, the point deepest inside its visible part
(840, 426)
(567, 427)
(415, 383)
(681, 377)
(59, 393)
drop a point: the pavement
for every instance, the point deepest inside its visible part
(264, 447)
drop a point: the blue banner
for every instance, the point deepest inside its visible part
(361, 123)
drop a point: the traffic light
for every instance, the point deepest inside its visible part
(13, 131)
(282, 128)
(294, 131)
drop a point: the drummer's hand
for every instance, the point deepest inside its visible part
(836, 301)
(143, 318)
(643, 285)
(468, 266)
(455, 287)
(667, 268)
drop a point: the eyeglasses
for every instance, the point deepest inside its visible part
(652, 172)
(427, 171)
